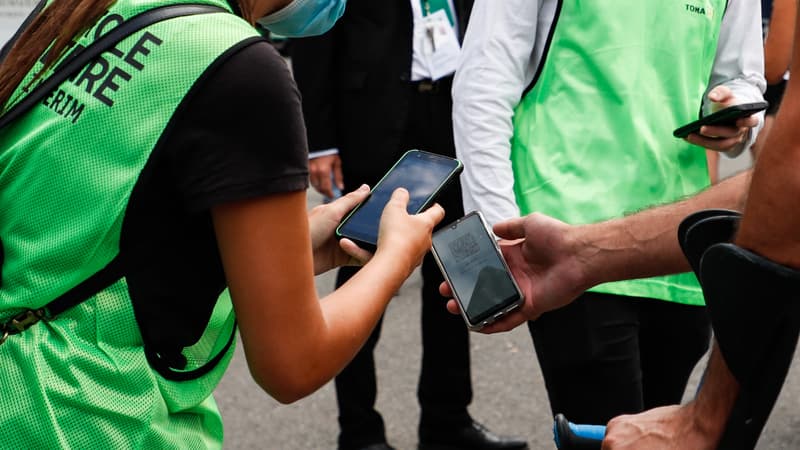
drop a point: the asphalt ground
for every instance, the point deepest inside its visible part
(509, 395)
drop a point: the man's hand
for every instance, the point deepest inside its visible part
(321, 170)
(330, 252)
(545, 264)
(723, 138)
(665, 428)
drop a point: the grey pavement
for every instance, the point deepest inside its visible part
(509, 396)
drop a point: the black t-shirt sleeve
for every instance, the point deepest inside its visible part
(240, 133)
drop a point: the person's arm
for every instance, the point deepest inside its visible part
(295, 343)
(313, 68)
(778, 44)
(767, 228)
(712, 159)
(554, 262)
(496, 65)
(697, 425)
(739, 67)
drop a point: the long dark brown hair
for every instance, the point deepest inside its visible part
(55, 25)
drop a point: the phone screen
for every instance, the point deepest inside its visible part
(423, 174)
(472, 264)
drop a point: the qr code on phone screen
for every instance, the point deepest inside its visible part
(464, 247)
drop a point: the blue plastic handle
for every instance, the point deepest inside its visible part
(570, 436)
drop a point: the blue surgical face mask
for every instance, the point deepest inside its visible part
(304, 17)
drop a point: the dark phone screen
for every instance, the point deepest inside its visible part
(474, 268)
(422, 174)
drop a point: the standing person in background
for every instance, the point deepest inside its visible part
(568, 109)
(375, 86)
(137, 211)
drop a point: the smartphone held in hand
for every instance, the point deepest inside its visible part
(470, 260)
(424, 175)
(725, 116)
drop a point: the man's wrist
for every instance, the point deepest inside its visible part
(715, 399)
(582, 248)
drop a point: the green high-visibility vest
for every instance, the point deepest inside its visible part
(67, 169)
(593, 135)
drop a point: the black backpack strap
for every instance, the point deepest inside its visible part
(80, 57)
(170, 366)
(102, 279)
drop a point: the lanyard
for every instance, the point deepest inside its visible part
(430, 6)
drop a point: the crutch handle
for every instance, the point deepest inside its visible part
(569, 436)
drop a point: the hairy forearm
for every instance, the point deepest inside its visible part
(645, 244)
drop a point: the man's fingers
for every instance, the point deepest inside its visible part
(721, 131)
(338, 178)
(715, 143)
(324, 187)
(510, 229)
(444, 289)
(505, 323)
(747, 122)
(452, 307)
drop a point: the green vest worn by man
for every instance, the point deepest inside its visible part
(593, 135)
(67, 169)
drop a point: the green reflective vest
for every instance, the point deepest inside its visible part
(67, 169)
(593, 135)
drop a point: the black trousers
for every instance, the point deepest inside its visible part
(444, 388)
(604, 355)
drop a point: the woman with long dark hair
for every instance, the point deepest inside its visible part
(169, 168)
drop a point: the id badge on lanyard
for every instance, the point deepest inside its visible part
(439, 43)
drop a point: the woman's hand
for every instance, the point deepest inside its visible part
(330, 252)
(406, 238)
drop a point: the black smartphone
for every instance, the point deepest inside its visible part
(423, 174)
(470, 260)
(725, 116)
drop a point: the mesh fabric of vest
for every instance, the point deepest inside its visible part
(67, 169)
(593, 136)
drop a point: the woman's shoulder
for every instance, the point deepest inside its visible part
(250, 73)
